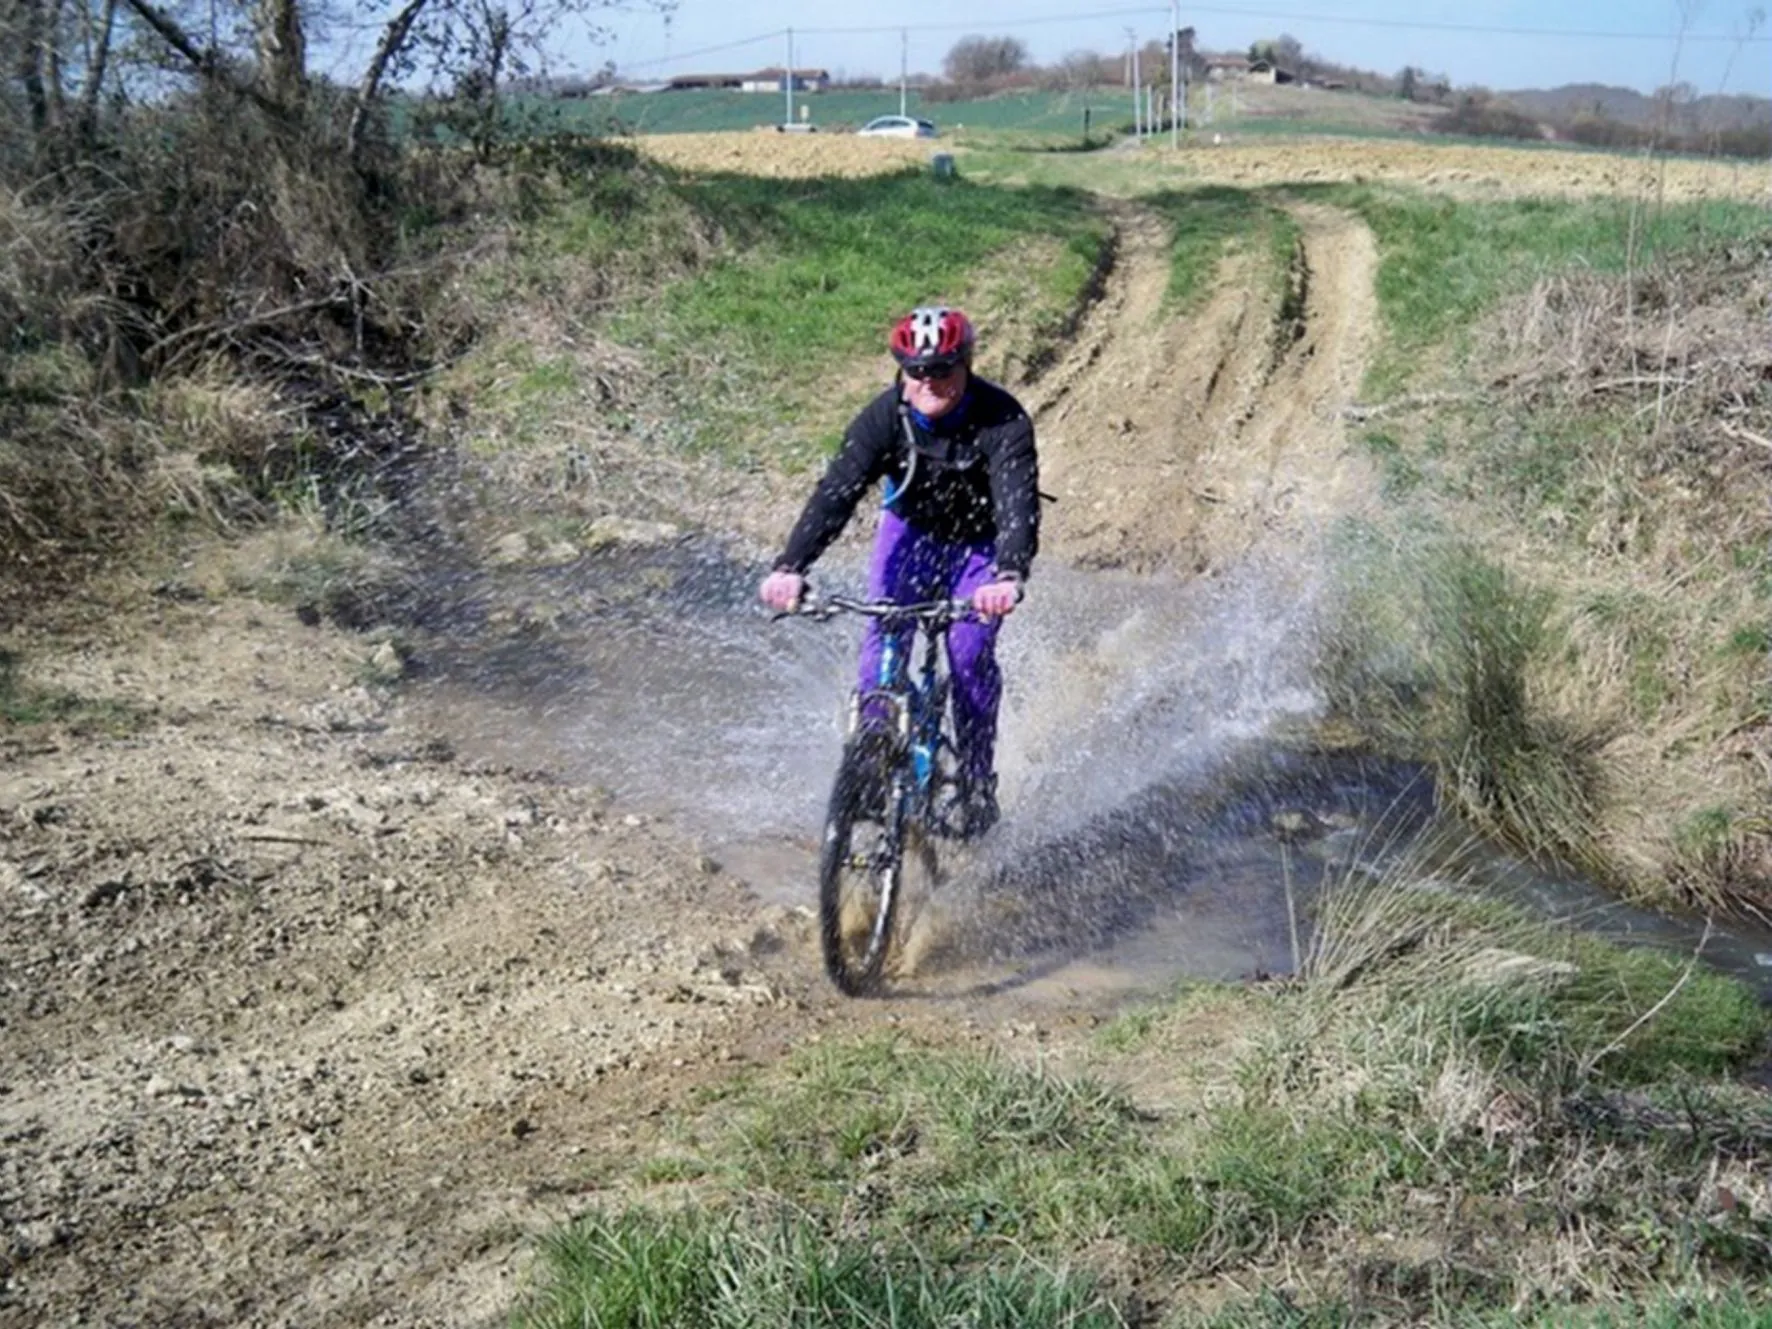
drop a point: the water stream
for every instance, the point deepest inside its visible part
(1162, 818)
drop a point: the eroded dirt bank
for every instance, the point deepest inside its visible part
(308, 1019)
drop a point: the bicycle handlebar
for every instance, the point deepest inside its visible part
(931, 613)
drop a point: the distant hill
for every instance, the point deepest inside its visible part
(1628, 107)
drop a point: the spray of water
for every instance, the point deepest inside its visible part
(1158, 820)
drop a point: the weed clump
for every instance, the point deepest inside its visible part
(1440, 654)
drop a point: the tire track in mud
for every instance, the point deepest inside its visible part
(1176, 443)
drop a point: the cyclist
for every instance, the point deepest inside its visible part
(961, 520)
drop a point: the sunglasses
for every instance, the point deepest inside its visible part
(937, 370)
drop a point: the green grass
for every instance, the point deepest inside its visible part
(639, 1270)
(1208, 222)
(712, 111)
(1434, 656)
(815, 271)
(1445, 263)
(748, 316)
(1348, 1111)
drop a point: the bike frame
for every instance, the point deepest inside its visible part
(917, 702)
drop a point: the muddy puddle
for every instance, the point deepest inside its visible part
(1164, 816)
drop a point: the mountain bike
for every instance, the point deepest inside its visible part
(897, 787)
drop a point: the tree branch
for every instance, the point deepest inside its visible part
(98, 56)
(207, 62)
(393, 38)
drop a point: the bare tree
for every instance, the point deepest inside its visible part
(61, 54)
(1084, 69)
(469, 48)
(981, 59)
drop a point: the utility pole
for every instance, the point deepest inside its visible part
(904, 64)
(1175, 98)
(788, 81)
(1137, 94)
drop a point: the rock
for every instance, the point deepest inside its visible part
(1293, 824)
(386, 664)
(612, 532)
(510, 548)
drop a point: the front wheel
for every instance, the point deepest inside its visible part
(860, 865)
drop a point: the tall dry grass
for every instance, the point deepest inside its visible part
(1635, 446)
(1571, 613)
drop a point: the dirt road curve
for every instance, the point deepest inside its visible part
(308, 1021)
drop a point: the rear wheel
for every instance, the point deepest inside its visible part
(861, 864)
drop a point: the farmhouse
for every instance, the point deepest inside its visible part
(1222, 67)
(1266, 71)
(1239, 68)
(763, 80)
(775, 80)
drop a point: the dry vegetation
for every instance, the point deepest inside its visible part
(1477, 172)
(766, 153)
(1659, 387)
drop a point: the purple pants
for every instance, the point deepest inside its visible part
(908, 566)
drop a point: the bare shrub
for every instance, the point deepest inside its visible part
(1479, 119)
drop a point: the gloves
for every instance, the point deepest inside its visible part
(998, 598)
(781, 590)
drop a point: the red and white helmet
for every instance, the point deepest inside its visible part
(933, 336)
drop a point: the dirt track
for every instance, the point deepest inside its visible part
(309, 1021)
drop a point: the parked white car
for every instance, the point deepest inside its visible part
(898, 126)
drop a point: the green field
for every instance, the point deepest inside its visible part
(1033, 111)
(705, 112)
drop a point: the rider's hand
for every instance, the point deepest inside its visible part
(998, 598)
(781, 591)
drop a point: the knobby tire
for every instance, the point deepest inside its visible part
(861, 774)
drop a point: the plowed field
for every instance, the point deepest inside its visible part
(787, 155)
(1464, 169)
(1475, 171)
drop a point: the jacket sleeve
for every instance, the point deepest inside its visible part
(863, 459)
(1015, 495)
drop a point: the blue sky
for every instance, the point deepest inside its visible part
(1551, 41)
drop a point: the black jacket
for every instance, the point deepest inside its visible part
(972, 477)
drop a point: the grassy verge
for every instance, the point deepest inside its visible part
(1207, 223)
(1454, 1117)
(827, 264)
(759, 315)
(1446, 264)
(1567, 413)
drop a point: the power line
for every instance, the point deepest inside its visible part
(1147, 11)
(1422, 25)
(775, 36)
